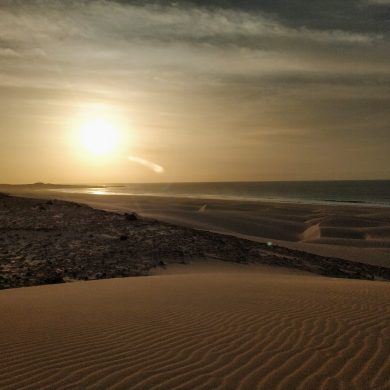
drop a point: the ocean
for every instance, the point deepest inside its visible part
(368, 192)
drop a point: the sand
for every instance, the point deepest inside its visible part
(220, 326)
(204, 325)
(358, 233)
(48, 242)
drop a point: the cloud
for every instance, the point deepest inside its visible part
(7, 52)
(379, 2)
(314, 14)
(156, 41)
(223, 75)
(48, 20)
(139, 40)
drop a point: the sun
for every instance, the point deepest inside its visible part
(99, 137)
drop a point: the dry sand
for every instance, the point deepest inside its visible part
(209, 325)
(224, 326)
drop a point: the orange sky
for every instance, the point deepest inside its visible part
(209, 94)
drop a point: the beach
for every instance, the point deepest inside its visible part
(54, 241)
(128, 295)
(355, 232)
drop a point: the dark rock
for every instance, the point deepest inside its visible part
(54, 278)
(131, 216)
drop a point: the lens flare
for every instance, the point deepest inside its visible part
(154, 167)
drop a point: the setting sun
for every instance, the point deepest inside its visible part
(99, 137)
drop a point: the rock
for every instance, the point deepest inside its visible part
(131, 216)
(54, 278)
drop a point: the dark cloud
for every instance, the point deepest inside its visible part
(347, 15)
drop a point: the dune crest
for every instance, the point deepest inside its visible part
(311, 233)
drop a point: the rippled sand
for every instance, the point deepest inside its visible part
(215, 327)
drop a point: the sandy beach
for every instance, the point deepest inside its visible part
(54, 241)
(219, 326)
(352, 232)
(206, 310)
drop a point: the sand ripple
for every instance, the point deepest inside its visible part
(229, 330)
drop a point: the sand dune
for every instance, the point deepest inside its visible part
(217, 327)
(313, 232)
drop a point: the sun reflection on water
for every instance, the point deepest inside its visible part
(98, 191)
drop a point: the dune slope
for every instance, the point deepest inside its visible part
(238, 327)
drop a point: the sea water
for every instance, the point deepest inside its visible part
(369, 192)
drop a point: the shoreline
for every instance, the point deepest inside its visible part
(240, 199)
(370, 193)
(352, 233)
(55, 241)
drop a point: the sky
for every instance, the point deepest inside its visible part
(194, 90)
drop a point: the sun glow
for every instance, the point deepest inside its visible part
(99, 137)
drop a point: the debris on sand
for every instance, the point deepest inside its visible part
(58, 241)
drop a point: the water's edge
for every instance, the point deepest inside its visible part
(360, 193)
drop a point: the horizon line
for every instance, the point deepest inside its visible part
(190, 182)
